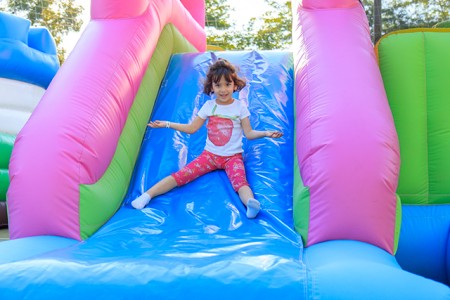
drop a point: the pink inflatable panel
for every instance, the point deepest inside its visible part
(346, 140)
(72, 135)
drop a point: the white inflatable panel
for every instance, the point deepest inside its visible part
(12, 121)
(18, 95)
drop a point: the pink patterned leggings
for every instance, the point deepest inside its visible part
(207, 162)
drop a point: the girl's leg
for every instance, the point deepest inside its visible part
(199, 166)
(247, 197)
(235, 170)
(245, 193)
(163, 186)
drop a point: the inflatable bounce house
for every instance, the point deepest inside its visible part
(343, 217)
(28, 62)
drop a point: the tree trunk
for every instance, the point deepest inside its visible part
(377, 23)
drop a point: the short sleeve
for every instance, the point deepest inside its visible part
(203, 112)
(244, 113)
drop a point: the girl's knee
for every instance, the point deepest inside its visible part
(239, 183)
(179, 179)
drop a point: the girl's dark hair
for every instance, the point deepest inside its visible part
(222, 68)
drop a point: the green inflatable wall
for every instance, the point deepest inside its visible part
(6, 145)
(415, 66)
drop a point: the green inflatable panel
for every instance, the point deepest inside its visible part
(6, 145)
(415, 65)
(445, 24)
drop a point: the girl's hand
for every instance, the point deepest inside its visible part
(157, 124)
(274, 134)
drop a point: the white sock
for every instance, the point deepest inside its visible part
(253, 208)
(141, 201)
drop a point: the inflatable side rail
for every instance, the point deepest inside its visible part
(75, 130)
(348, 155)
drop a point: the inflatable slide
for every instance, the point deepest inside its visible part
(329, 226)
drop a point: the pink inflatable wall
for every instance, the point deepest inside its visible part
(72, 135)
(347, 145)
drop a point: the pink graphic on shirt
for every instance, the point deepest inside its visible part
(219, 130)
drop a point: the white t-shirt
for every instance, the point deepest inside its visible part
(224, 126)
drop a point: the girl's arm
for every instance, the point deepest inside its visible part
(256, 134)
(187, 128)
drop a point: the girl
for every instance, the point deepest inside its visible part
(227, 119)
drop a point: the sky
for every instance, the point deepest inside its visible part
(71, 40)
(243, 11)
(247, 9)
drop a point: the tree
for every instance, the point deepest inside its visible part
(276, 29)
(413, 14)
(60, 17)
(217, 23)
(377, 21)
(272, 31)
(403, 14)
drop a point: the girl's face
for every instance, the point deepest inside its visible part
(224, 91)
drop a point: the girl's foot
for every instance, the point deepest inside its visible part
(253, 208)
(141, 201)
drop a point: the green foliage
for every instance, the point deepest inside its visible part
(217, 14)
(276, 30)
(217, 23)
(272, 31)
(403, 14)
(60, 17)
